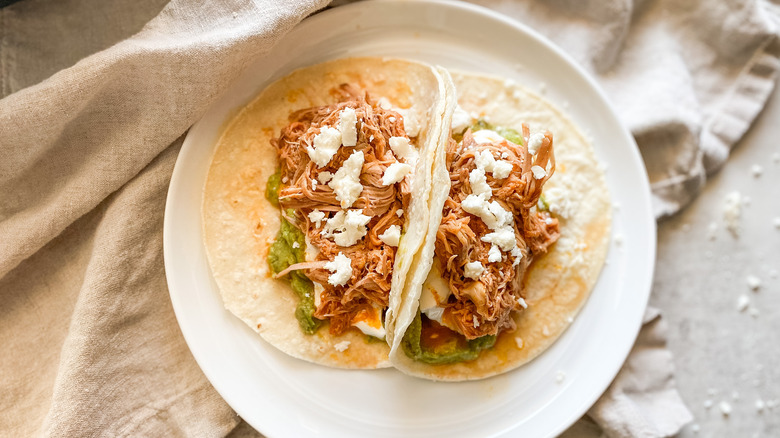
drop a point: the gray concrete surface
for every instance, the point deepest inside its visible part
(722, 354)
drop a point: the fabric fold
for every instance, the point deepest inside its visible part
(643, 400)
(90, 128)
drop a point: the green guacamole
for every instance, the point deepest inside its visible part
(508, 133)
(542, 204)
(454, 349)
(272, 188)
(282, 254)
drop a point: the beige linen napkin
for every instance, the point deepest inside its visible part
(89, 344)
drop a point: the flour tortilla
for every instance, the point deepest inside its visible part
(240, 224)
(558, 283)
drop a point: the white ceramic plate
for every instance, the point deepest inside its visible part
(282, 396)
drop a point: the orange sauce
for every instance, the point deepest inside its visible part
(434, 336)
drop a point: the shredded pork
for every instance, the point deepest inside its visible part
(372, 260)
(479, 308)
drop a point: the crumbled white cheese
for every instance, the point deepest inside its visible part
(535, 142)
(517, 253)
(341, 346)
(314, 185)
(519, 342)
(485, 160)
(399, 212)
(341, 268)
(346, 181)
(499, 168)
(317, 217)
(348, 127)
(756, 170)
(402, 148)
(743, 302)
(732, 210)
(479, 185)
(503, 237)
(346, 227)
(502, 169)
(559, 203)
(411, 122)
(494, 254)
(391, 236)
(521, 302)
(324, 177)
(326, 144)
(504, 154)
(473, 270)
(395, 173)
(753, 282)
(474, 321)
(484, 136)
(712, 230)
(491, 213)
(296, 245)
(538, 172)
(391, 119)
(725, 408)
(502, 217)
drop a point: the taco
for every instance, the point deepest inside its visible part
(316, 201)
(519, 229)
